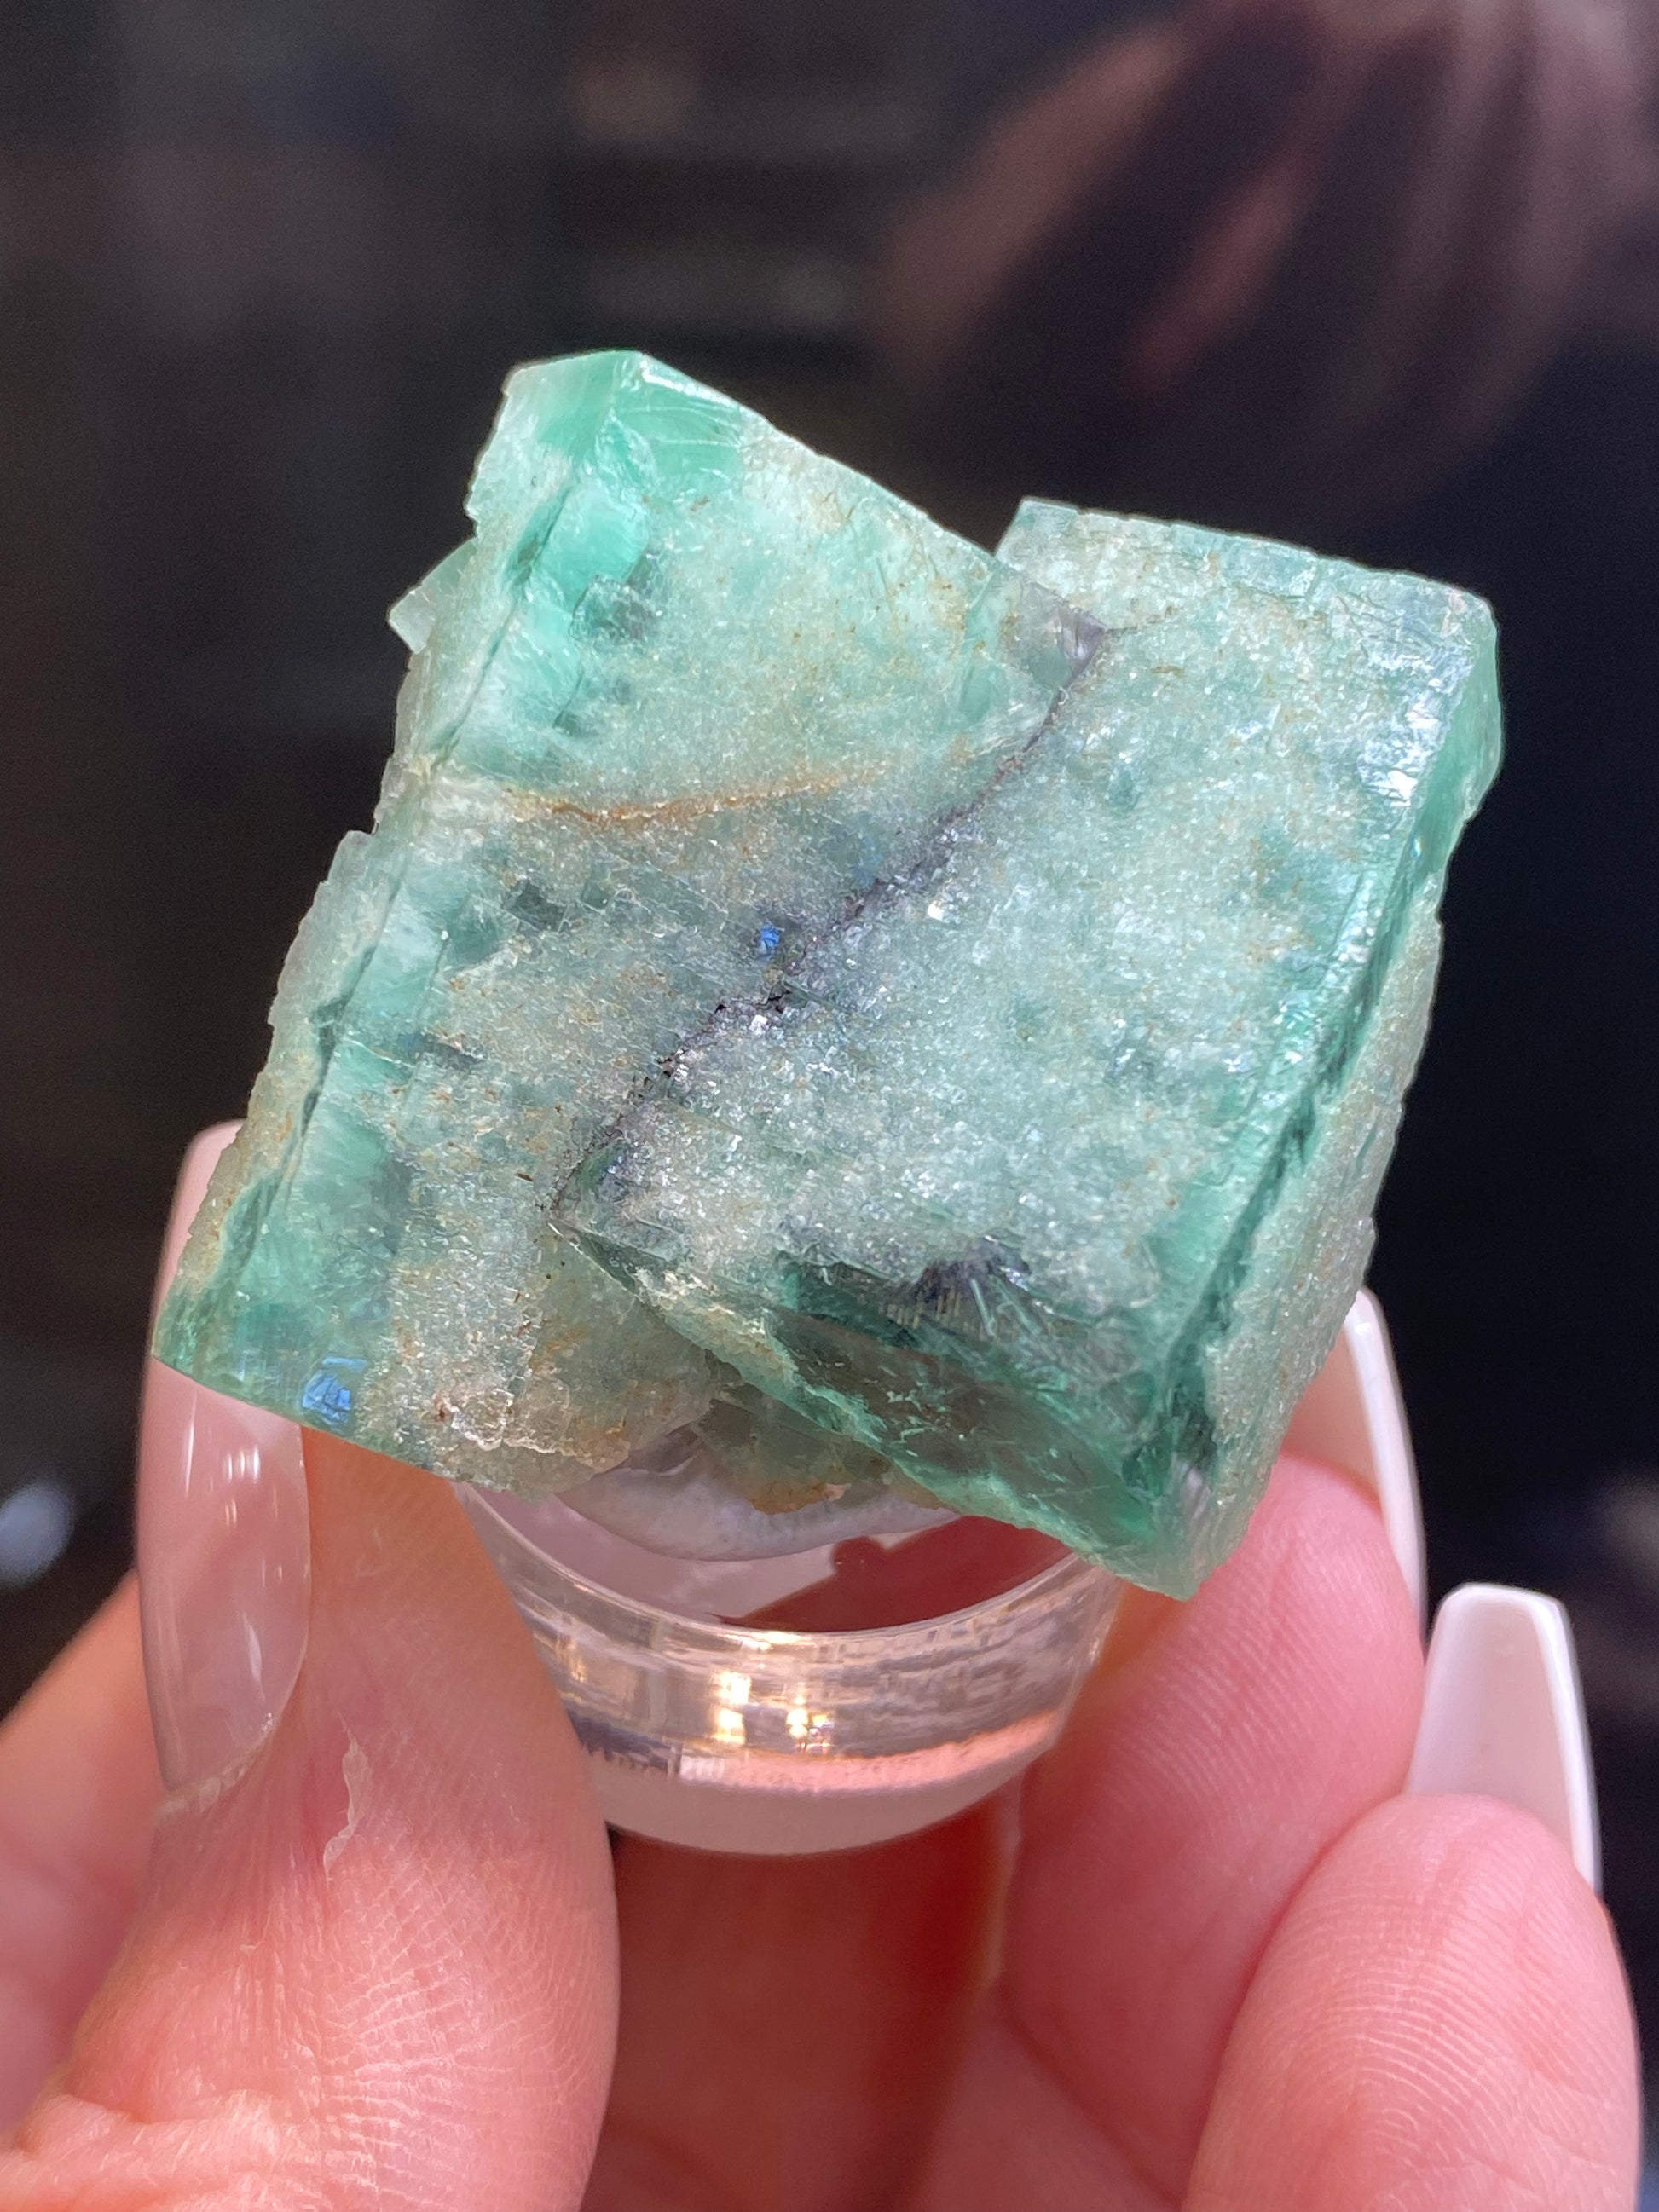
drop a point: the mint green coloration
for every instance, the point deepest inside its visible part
(825, 999)
(687, 692)
(1050, 1179)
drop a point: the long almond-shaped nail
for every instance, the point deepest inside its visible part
(224, 1550)
(1504, 1714)
(1353, 1416)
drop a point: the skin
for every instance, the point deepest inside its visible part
(393, 1964)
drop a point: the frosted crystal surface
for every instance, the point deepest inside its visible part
(827, 1007)
(688, 691)
(1049, 1174)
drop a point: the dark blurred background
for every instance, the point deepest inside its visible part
(1384, 280)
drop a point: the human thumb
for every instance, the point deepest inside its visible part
(375, 1964)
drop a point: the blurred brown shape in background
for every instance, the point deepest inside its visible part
(1284, 258)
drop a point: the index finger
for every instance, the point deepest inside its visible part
(1220, 1750)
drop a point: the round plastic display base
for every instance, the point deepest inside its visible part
(814, 1702)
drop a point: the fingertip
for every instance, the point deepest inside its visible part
(1441, 2019)
(393, 1928)
(1353, 1416)
(418, 1647)
(78, 1790)
(1312, 1600)
(1222, 1746)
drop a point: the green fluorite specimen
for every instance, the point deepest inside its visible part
(687, 692)
(812, 992)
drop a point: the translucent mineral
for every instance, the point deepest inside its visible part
(823, 1012)
(686, 697)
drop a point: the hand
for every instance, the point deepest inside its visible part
(370, 1953)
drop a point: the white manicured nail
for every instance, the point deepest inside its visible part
(1352, 1415)
(1503, 1716)
(224, 1548)
(195, 1173)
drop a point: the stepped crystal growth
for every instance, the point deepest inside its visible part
(827, 1006)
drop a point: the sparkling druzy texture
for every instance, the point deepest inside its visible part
(688, 693)
(825, 1001)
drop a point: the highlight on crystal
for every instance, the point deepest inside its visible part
(850, 1023)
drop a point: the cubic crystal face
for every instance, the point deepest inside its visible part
(687, 693)
(865, 1011)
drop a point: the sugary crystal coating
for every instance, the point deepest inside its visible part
(821, 998)
(688, 691)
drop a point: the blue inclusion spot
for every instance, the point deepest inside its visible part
(771, 937)
(328, 1394)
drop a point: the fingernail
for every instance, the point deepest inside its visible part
(224, 1550)
(195, 1173)
(1353, 1416)
(1503, 1715)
